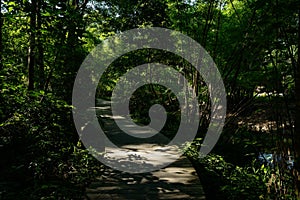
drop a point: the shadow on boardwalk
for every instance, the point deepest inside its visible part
(176, 181)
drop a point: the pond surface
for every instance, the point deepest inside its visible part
(271, 159)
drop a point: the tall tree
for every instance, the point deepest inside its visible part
(1, 24)
(297, 118)
(40, 48)
(32, 45)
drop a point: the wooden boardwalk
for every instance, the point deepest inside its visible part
(176, 181)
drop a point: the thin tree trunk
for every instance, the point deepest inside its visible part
(31, 53)
(1, 25)
(297, 120)
(40, 49)
(217, 33)
(209, 17)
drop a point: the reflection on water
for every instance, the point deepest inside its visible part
(271, 159)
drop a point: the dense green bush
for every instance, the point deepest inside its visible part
(43, 158)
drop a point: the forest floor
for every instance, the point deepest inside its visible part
(268, 116)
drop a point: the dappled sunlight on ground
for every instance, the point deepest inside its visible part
(176, 181)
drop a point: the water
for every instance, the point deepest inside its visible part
(271, 159)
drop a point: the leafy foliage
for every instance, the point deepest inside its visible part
(253, 181)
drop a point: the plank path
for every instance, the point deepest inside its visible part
(175, 181)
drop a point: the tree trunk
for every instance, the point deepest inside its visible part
(208, 20)
(297, 120)
(31, 53)
(40, 49)
(1, 24)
